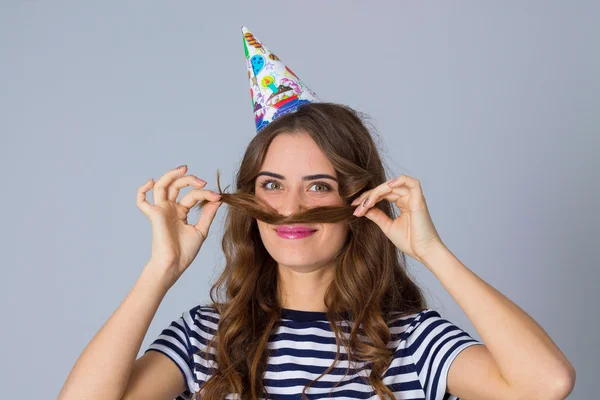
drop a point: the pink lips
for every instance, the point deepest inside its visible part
(294, 232)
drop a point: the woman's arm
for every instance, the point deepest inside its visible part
(102, 370)
(527, 358)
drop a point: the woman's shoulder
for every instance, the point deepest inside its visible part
(425, 327)
(202, 317)
(409, 317)
(205, 310)
(402, 324)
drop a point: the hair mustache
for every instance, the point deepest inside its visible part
(251, 205)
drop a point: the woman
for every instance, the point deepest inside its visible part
(280, 286)
(318, 301)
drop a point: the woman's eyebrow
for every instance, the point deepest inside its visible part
(304, 178)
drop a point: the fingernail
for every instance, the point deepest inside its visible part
(365, 202)
(181, 166)
(392, 181)
(200, 180)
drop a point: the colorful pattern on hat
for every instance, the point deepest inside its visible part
(274, 88)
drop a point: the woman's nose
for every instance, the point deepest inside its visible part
(291, 204)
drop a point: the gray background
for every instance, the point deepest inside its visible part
(492, 105)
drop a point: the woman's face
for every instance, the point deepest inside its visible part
(296, 172)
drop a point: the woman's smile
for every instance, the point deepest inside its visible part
(294, 235)
(294, 232)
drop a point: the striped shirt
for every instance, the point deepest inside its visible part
(303, 346)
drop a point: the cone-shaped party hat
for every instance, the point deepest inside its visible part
(274, 88)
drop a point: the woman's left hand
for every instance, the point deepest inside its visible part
(412, 231)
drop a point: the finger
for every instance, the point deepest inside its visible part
(362, 209)
(413, 185)
(392, 195)
(408, 181)
(206, 217)
(358, 200)
(401, 186)
(380, 218)
(182, 182)
(366, 194)
(192, 197)
(162, 184)
(141, 202)
(371, 197)
(363, 196)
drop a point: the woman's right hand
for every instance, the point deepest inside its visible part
(175, 243)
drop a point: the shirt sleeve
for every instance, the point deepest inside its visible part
(434, 343)
(175, 341)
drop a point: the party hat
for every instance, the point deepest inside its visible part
(274, 88)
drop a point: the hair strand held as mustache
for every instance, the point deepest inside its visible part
(251, 205)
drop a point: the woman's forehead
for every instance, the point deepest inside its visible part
(297, 154)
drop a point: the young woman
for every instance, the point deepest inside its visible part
(317, 300)
(323, 309)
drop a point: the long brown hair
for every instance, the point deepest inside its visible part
(371, 284)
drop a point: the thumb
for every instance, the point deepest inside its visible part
(379, 217)
(206, 217)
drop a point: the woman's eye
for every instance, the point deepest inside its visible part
(324, 187)
(267, 183)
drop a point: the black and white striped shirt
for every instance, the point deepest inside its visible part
(303, 346)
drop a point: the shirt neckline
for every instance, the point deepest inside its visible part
(305, 316)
